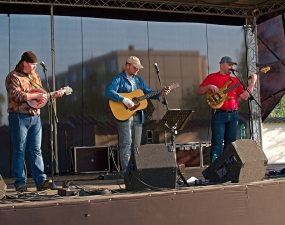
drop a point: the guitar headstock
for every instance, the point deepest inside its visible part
(173, 86)
(265, 69)
(68, 90)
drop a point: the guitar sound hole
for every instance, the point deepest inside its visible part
(135, 107)
(135, 100)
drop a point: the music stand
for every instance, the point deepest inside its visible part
(173, 120)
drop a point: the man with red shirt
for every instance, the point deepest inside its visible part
(225, 119)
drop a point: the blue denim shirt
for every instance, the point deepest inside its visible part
(121, 84)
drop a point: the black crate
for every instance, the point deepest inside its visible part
(89, 159)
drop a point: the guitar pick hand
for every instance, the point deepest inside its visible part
(37, 96)
(128, 102)
(214, 88)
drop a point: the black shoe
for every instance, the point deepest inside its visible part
(282, 171)
(275, 172)
(22, 188)
(46, 184)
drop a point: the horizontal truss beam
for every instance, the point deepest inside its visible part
(188, 8)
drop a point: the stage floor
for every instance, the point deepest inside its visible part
(108, 202)
(107, 183)
(91, 181)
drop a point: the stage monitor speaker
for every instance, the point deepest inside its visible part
(241, 162)
(151, 166)
(3, 187)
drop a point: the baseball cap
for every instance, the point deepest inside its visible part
(135, 61)
(227, 59)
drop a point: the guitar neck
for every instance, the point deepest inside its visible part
(234, 86)
(151, 94)
(53, 93)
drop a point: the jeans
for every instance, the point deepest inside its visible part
(130, 132)
(26, 130)
(224, 129)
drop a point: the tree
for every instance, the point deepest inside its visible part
(279, 110)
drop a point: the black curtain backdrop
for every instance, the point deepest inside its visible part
(271, 52)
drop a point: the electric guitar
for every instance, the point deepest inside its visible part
(36, 104)
(216, 100)
(121, 112)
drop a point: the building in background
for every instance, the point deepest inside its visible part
(90, 78)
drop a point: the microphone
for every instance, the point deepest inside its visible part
(43, 65)
(233, 70)
(156, 67)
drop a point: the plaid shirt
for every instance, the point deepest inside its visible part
(17, 87)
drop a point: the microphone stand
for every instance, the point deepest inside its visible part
(164, 102)
(51, 112)
(172, 129)
(245, 88)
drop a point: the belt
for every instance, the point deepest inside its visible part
(227, 110)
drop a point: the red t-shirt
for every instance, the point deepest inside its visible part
(219, 80)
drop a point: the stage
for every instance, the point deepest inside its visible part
(108, 202)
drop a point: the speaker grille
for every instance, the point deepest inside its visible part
(241, 162)
(3, 187)
(152, 166)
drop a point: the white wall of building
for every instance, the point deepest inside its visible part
(273, 142)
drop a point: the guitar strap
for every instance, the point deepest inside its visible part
(28, 78)
(137, 82)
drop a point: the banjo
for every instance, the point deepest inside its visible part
(37, 104)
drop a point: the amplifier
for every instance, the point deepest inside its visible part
(90, 159)
(188, 154)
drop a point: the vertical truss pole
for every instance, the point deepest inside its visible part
(53, 88)
(252, 60)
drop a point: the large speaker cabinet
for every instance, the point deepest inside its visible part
(152, 166)
(3, 187)
(241, 162)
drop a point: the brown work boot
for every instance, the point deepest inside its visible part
(46, 184)
(22, 188)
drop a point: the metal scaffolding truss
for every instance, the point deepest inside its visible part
(230, 10)
(252, 60)
(247, 11)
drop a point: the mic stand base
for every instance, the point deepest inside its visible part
(53, 186)
(173, 149)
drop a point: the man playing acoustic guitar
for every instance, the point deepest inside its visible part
(129, 130)
(25, 123)
(224, 123)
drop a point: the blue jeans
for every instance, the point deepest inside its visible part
(26, 130)
(224, 129)
(130, 132)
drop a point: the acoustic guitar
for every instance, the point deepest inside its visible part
(121, 112)
(216, 100)
(36, 104)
